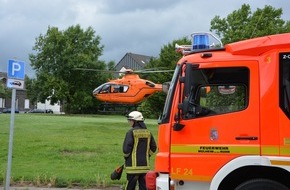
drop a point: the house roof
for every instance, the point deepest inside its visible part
(139, 59)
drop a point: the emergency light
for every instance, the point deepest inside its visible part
(200, 41)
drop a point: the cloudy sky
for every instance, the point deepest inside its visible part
(137, 26)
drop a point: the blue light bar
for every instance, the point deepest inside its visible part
(200, 41)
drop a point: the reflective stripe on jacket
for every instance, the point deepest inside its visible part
(138, 146)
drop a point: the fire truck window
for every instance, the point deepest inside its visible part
(219, 99)
(284, 60)
(216, 91)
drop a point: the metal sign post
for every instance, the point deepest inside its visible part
(10, 140)
(15, 81)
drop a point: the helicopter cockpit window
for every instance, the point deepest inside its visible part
(217, 91)
(125, 88)
(105, 89)
(116, 88)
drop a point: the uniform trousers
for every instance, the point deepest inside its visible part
(132, 181)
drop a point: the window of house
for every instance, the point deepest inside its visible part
(26, 104)
(1, 103)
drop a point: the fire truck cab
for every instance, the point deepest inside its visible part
(226, 119)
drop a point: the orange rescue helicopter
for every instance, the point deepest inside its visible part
(130, 89)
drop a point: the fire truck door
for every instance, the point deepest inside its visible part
(222, 123)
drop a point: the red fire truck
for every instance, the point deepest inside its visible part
(226, 119)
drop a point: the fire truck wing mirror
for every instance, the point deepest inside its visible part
(182, 79)
(165, 87)
(178, 126)
(184, 106)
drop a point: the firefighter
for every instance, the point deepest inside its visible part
(138, 146)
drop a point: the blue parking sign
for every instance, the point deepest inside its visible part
(16, 69)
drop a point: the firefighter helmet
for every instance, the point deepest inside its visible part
(136, 116)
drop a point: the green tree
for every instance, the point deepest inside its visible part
(4, 92)
(152, 107)
(111, 65)
(30, 92)
(243, 24)
(57, 55)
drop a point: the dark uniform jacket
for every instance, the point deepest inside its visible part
(138, 146)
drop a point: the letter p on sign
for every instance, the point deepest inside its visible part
(16, 69)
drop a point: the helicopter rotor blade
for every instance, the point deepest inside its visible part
(128, 71)
(97, 70)
(157, 71)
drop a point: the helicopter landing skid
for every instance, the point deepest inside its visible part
(107, 108)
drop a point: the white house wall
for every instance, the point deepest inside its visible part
(55, 108)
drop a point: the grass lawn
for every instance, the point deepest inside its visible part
(65, 151)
